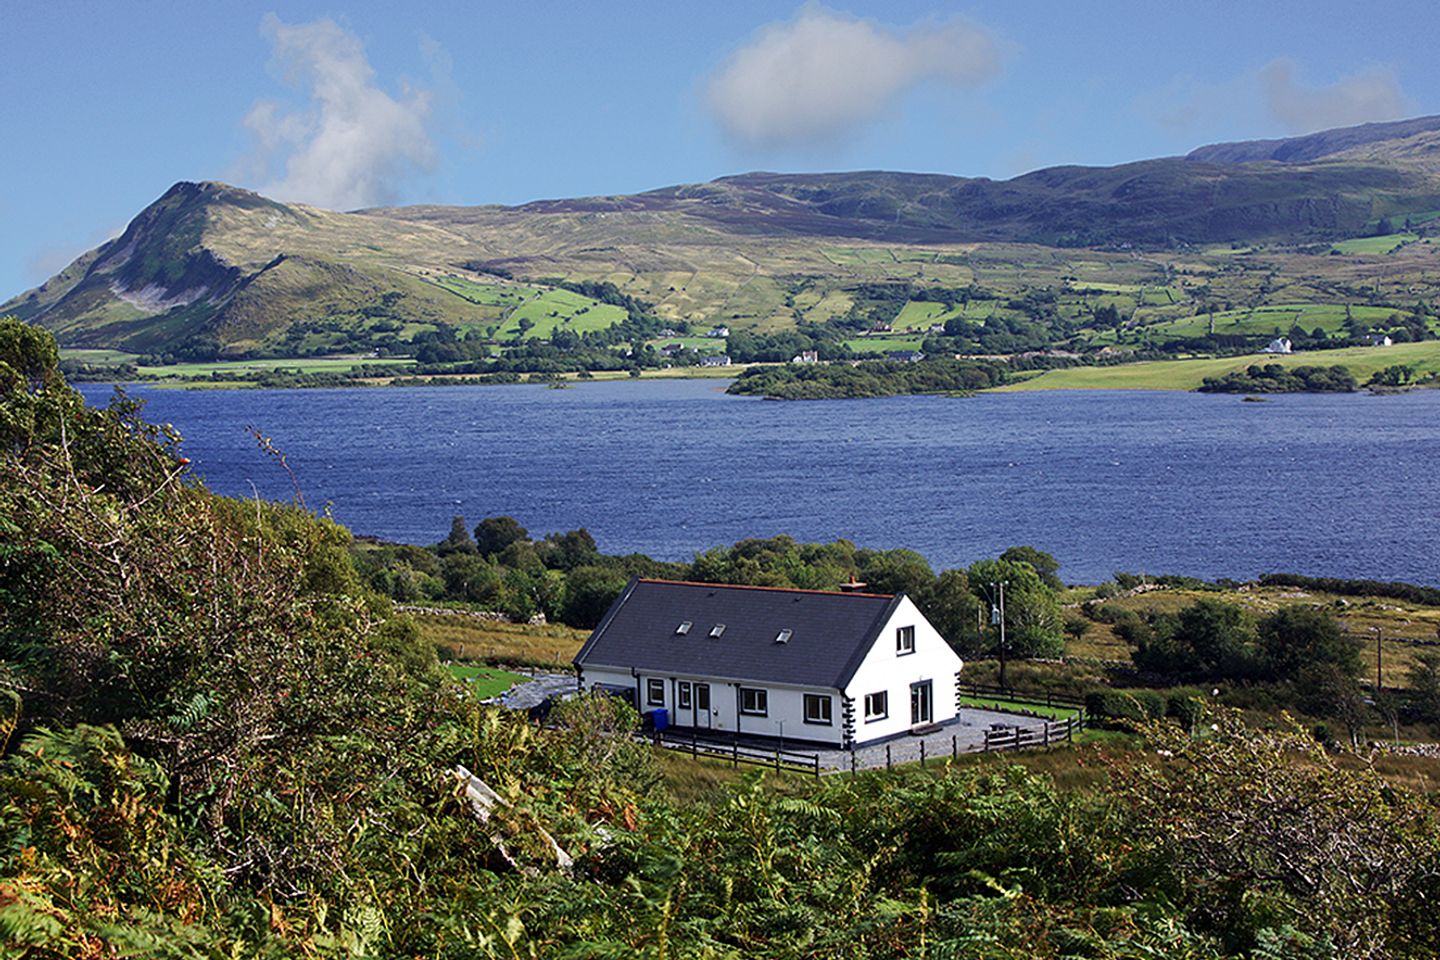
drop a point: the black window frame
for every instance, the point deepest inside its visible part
(761, 697)
(904, 641)
(651, 685)
(820, 699)
(884, 701)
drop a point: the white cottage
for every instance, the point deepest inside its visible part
(840, 669)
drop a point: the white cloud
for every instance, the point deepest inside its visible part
(1373, 94)
(825, 74)
(353, 145)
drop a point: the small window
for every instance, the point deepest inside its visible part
(784, 635)
(655, 693)
(683, 695)
(877, 706)
(904, 641)
(817, 709)
(754, 702)
(683, 629)
(717, 630)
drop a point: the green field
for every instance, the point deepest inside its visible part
(83, 355)
(553, 309)
(1189, 374)
(858, 255)
(485, 682)
(883, 344)
(222, 368)
(1275, 319)
(487, 294)
(1374, 245)
(921, 314)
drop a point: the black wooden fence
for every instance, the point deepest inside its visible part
(738, 753)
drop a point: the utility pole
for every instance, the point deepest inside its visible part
(999, 616)
(1378, 662)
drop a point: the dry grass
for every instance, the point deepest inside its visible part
(1395, 621)
(470, 638)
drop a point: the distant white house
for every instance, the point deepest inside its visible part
(841, 669)
(719, 333)
(905, 356)
(716, 360)
(806, 356)
(1279, 345)
(1377, 340)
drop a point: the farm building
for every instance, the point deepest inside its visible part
(905, 356)
(1377, 340)
(719, 333)
(716, 360)
(806, 356)
(1279, 345)
(840, 669)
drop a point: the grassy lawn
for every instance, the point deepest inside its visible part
(1010, 706)
(1189, 374)
(485, 682)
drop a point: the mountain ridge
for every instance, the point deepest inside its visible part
(212, 261)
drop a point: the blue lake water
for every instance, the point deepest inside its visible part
(1145, 482)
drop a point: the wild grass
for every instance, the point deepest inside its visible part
(549, 646)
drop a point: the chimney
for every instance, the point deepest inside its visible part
(853, 586)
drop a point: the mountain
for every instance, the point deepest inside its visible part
(213, 268)
(1314, 146)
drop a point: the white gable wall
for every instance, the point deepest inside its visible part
(883, 669)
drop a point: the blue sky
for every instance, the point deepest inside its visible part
(104, 105)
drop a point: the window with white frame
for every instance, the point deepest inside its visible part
(655, 693)
(817, 709)
(877, 705)
(683, 695)
(754, 702)
(904, 641)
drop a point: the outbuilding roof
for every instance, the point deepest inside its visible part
(829, 633)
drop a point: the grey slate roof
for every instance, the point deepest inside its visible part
(830, 632)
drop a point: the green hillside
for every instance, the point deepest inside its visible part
(1133, 257)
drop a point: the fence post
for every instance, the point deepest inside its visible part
(954, 747)
(777, 759)
(735, 757)
(887, 756)
(922, 753)
(816, 759)
(852, 760)
(694, 743)
(1047, 734)
(1070, 730)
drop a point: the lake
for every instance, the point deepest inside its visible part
(1205, 485)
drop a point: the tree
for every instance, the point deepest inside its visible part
(566, 551)
(951, 606)
(457, 541)
(1209, 639)
(494, 534)
(1032, 611)
(1295, 637)
(1045, 564)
